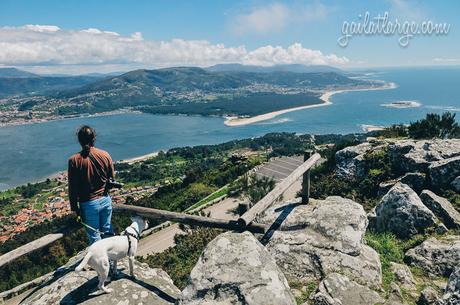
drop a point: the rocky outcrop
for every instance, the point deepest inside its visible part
(337, 289)
(323, 237)
(416, 156)
(438, 257)
(402, 212)
(443, 172)
(442, 208)
(350, 161)
(236, 269)
(439, 158)
(150, 286)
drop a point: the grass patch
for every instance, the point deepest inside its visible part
(307, 288)
(390, 250)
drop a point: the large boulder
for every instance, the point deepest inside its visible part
(442, 208)
(350, 162)
(150, 286)
(436, 256)
(236, 269)
(337, 289)
(410, 155)
(443, 172)
(323, 237)
(402, 212)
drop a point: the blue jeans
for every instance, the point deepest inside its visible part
(97, 213)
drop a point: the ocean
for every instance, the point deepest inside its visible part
(32, 152)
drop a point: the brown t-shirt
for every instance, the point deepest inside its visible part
(88, 175)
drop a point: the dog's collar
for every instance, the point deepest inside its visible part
(136, 236)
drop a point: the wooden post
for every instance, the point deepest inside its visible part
(306, 179)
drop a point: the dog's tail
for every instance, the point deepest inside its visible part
(83, 262)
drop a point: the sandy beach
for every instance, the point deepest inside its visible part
(140, 158)
(325, 97)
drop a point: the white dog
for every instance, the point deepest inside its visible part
(114, 248)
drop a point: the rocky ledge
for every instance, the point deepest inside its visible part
(67, 287)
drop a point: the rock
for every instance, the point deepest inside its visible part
(385, 186)
(339, 289)
(453, 284)
(442, 208)
(402, 212)
(236, 269)
(443, 172)
(456, 184)
(395, 297)
(150, 286)
(403, 274)
(350, 161)
(323, 237)
(415, 181)
(428, 296)
(436, 256)
(410, 155)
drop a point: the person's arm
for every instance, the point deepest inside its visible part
(73, 195)
(111, 169)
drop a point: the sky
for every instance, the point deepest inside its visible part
(75, 37)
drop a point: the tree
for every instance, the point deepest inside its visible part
(435, 126)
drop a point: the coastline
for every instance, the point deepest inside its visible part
(233, 121)
(56, 175)
(69, 117)
(139, 158)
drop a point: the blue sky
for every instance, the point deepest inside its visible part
(124, 35)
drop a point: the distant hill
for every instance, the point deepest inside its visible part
(177, 79)
(295, 68)
(188, 90)
(15, 73)
(40, 85)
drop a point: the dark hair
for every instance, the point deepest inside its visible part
(86, 136)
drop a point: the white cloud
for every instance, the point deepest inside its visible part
(276, 17)
(51, 47)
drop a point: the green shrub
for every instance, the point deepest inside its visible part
(435, 126)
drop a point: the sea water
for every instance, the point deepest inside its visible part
(33, 152)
